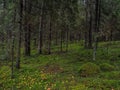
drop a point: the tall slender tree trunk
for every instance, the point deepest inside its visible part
(50, 35)
(67, 39)
(61, 41)
(12, 41)
(85, 40)
(56, 37)
(19, 35)
(85, 33)
(89, 23)
(12, 58)
(27, 28)
(40, 41)
(90, 31)
(111, 35)
(97, 22)
(4, 25)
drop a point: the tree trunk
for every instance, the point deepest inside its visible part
(50, 35)
(97, 22)
(40, 41)
(12, 58)
(19, 35)
(67, 39)
(27, 28)
(61, 41)
(90, 31)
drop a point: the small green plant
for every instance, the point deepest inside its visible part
(107, 67)
(89, 69)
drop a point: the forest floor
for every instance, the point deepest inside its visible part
(73, 70)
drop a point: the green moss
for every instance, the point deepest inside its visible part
(111, 75)
(79, 87)
(107, 67)
(89, 69)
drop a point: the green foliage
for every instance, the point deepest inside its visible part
(45, 50)
(107, 67)
(60, 72)
(114, 58)
(100, 84)
(3, 70)
(111, 75)
(89, 69)
(79, 87)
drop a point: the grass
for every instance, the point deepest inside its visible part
(60, 71)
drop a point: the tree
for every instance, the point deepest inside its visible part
(19, 33)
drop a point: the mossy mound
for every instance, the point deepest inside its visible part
(107, 67)
(89, 69)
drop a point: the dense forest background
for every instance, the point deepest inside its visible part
(39, 32)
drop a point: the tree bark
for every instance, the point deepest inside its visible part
(50, 35)
(27, 28)
(40, 41)
(19, 35)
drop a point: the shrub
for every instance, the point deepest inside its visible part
(107, 67)
(89, 69)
